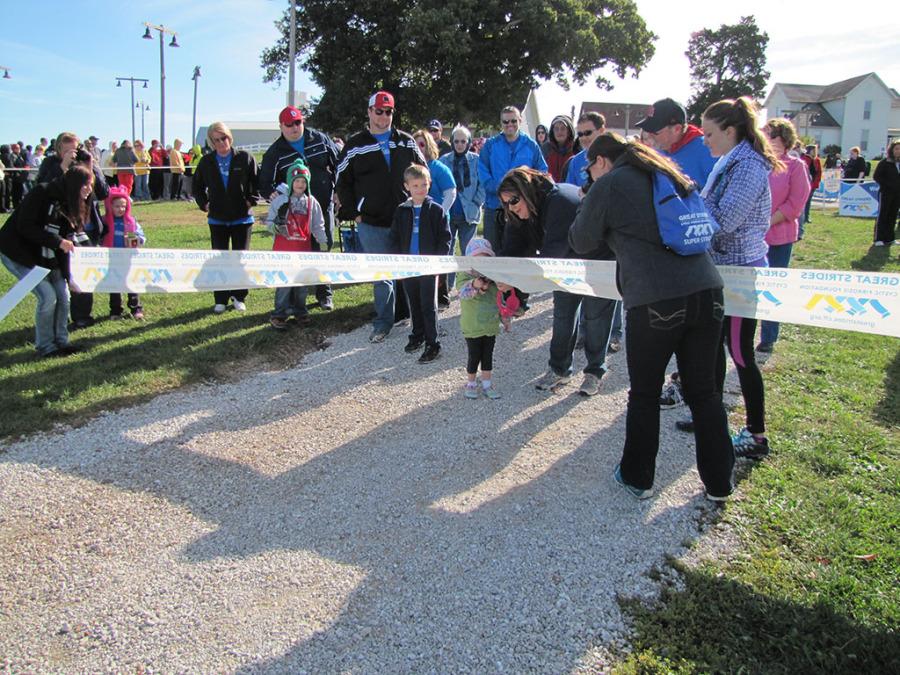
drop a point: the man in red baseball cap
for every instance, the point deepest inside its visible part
(369, 188)
(298, 141)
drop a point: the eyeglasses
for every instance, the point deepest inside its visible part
(508, 122)
(383, 111)
(298, 123)
(582, 134)
(221, 139)
(512, 201)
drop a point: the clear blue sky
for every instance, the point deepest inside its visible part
(64, 56)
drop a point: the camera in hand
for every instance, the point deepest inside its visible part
(82, 156)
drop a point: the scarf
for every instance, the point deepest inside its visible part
(461, 170)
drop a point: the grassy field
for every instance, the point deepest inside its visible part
(181, 342)
(808, 581)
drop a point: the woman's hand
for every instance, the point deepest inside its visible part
(503, 287)
(66, 246)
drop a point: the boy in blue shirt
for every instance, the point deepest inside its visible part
(420, 227)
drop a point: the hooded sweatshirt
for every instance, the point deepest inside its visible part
(117, 229)
(558, 154)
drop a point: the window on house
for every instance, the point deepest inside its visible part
(867, 110)
(864, 140)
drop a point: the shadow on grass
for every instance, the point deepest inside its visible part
(723, 626)
(887, 411)
(875, 259)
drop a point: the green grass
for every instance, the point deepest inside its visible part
(181, 343)
(812, 586)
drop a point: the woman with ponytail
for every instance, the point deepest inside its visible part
(673, 304)
(738, 196)
(41, 232)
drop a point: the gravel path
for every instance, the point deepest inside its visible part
(352, 514)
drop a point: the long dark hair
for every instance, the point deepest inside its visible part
(528, 184)
(611, 146)
(740, 113)
(75, 208)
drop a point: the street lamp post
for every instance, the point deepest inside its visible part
(162, 73)
(119, 81)
(143, 107)
(195, 77)
(292, 52)
(5, 72)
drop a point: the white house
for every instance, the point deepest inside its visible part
(861, 111)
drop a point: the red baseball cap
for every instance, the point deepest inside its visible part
(289, 115)
(381, 99)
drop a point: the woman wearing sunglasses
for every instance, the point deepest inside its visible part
(674, 305)
(539, 214)
(225, 187)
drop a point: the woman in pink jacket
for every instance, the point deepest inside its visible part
(789, 189)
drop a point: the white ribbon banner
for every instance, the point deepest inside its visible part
(867, 302)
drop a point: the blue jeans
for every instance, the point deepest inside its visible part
(464, 231)
(52, 313)
(617, 323)
(491, 233)
(691, 328)
(597, 318)
(141, 188)
(778, 256)
(290, 300)
(378, 240)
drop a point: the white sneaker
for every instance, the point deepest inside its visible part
(219, 309)
(590, 386)
(879, 243)
(238, 305)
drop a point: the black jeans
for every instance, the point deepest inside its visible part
(115, 303)
(481, 352)
(886, 223)
(421, 292)
(691, 328)
(239, 238)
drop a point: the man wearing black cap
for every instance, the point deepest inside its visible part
(667, 128)
(298, 141)
(437, 130)
(369, 188)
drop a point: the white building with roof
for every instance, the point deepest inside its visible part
(862, 111)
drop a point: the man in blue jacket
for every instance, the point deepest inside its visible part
(590, 125)
(666, 125)
(507, 150)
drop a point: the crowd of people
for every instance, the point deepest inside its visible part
(576, 190)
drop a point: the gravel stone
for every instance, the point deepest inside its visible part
(351, 514)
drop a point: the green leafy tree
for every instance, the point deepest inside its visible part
(457, 61)
(726, 63)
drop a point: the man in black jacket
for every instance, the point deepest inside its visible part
(369, 188)
(298, 141)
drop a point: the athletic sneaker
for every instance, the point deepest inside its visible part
(138, 315)
(413, 345)
(238, 305)
(671, 395)
(717, 499)
(471, 391)
(492, 393)
(550, 381)
(590, 386)
(431, 353)
(377, 336)
(765, 347)
(219, 308)
(278, 322)
(637, 493)
(747, 445)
